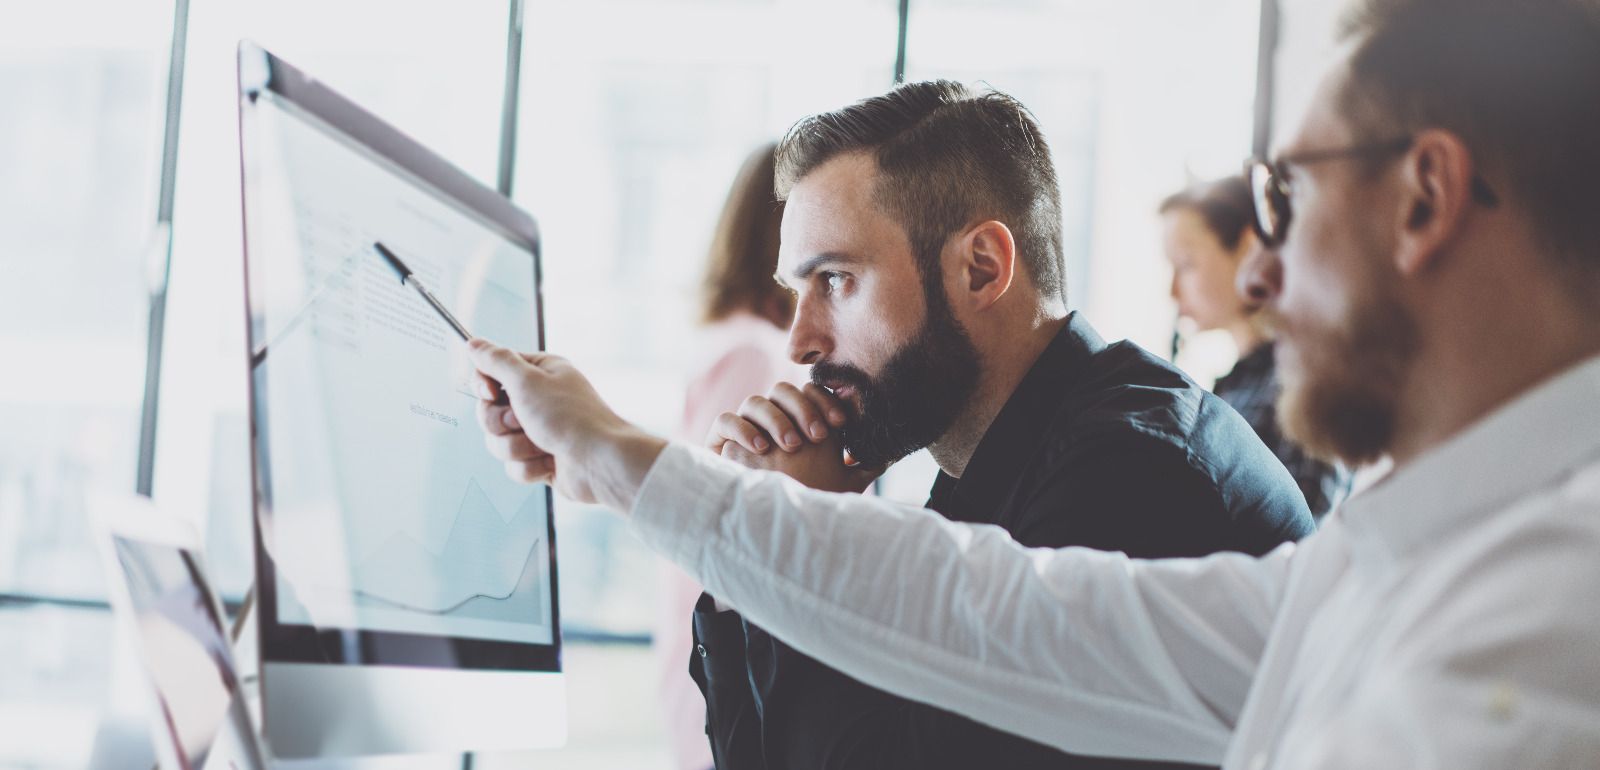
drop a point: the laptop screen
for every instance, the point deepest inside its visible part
(182, 644)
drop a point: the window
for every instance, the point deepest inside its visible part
(78, 210)
(1110, 83)
(438, 76)
(1136, 99)
(77, 205)
(630, 140)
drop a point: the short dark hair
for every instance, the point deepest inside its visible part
(1226, 206)
(1518, 81)
(946, 156)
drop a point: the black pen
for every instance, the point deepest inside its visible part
(410, 279)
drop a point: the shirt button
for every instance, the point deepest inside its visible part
(700, 649)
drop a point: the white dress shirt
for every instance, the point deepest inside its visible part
(1449, 617)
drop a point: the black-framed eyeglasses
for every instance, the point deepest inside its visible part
(1269, 183)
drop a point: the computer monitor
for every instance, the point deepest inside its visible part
(406, 587)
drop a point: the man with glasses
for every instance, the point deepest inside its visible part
(1436, 299)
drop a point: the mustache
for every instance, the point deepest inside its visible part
(827, 374)
(1268, 321)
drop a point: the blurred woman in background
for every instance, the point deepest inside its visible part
(742, 352)
(1207, 235)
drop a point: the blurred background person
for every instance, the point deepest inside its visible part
(1207, 234)
(740, 351)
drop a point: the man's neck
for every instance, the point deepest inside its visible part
(1004, 367)
(1486, 362)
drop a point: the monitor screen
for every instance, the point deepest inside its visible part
(380, 510)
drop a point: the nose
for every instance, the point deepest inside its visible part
(1260, 277)
(809, 341)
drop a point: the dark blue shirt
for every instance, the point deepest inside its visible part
(1252, 390)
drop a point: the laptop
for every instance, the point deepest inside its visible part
(199, 718)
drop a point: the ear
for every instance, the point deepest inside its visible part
(1435, 197)
(987, 263)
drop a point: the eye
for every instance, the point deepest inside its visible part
(834, 281)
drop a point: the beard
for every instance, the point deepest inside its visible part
(1339, 390)
(916, 398)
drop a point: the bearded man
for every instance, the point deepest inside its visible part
(922, 240)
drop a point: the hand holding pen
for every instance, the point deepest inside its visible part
(409, 278)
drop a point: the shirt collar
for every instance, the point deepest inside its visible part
(1520, 447)
(1013, 438)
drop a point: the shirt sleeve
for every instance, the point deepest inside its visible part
(813, 716)
(1498, 666)
(1086, 651)
(1140, 497)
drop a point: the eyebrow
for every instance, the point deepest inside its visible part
(806, 268)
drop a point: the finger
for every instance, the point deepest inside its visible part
(730, 427)
(738, 454)
(548, 362)
(774, 421)
(542, 470)
(503, 365)
(514, 446)
(497, 420)
(486, 388)
(827, 402)
(803, 411)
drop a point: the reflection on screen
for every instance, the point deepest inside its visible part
(387, 513)
(182, 644)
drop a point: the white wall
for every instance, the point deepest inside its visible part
(1305, 46)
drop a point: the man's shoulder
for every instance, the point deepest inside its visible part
(1136, 419)
(1555, 531)
(1130, 397)
(1504, 605)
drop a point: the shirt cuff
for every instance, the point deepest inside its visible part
(680, 505)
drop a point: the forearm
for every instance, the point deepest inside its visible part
(1087, 651)
(615, 463)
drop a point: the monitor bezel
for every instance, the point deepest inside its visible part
(262, 72)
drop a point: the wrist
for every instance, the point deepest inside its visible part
(616, 460)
